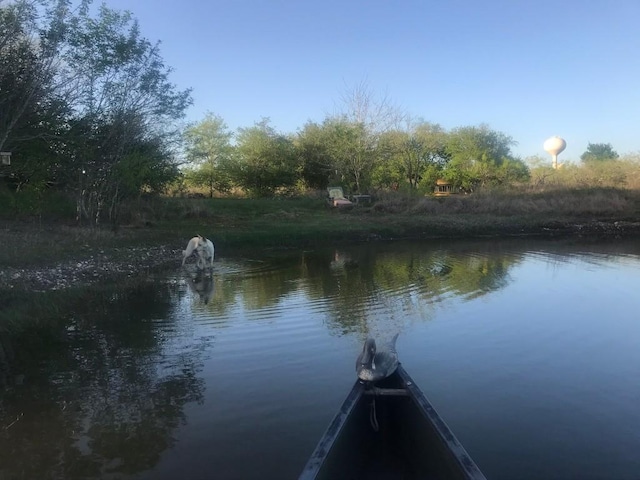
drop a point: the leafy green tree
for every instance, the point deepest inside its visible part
(416, 154)
(146, 168)
(353, 152)
(599, 152)
(31, 96)
(81, 96)
(394, 150)
(209, 148)
(512, 171)
(356, 132)
(476, 156)
(123, 99)
(317, 165)
(389, 172)
(266, 161)
(25, 73)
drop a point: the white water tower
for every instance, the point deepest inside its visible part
(554, 146)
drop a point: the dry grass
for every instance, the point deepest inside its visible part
(624, 173)
(566, 203)
(32, 243)
(250, 223)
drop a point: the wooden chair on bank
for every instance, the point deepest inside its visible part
(337, 199)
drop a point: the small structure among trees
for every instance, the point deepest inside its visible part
(444, 188)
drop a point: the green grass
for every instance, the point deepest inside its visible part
(247, 225)
(237, 224)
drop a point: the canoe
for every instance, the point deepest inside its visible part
(389, 431)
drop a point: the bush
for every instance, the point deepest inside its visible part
(31, 201)
(607, 174)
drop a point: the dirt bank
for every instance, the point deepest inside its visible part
(104, 263)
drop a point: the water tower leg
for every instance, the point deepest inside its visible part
(554, 161)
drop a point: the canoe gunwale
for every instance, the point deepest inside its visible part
(467, 464)
(315, 462)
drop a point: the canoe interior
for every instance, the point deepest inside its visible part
(412, 441)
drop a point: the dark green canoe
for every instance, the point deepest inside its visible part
(389, 431)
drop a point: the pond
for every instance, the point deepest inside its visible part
(529, 350)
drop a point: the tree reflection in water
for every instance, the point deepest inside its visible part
(402, 279)
(102, 388)
(103, 392)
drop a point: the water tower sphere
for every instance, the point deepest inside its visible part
(555, 145)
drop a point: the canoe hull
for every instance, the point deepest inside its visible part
(411, 441)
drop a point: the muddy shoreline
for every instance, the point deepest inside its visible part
(104, 265)
(113, 263)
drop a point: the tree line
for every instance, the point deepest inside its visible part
(359, 154)
(369, 146)
(87, 108)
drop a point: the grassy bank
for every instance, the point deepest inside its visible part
(80, 261)
(239, 224)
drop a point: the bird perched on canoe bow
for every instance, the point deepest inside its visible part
(374, 364)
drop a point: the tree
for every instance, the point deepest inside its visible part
(145, 168)
(391, 171)
(476, 155)
(356, 132)
(416, 153)
(124, 100)
(375, 113)
(28, 64)
(266, 160)
(312, 145)
(512, 170)
(353, 152)
(599, 152)
(83, 98)
(209, 148)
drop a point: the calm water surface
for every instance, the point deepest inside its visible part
(529, 350)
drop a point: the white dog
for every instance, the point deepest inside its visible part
(203, 247)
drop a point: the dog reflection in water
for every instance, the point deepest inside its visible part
(202, 285)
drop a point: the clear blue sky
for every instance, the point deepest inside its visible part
(530, 69)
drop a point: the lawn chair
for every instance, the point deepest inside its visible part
(337, 199)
